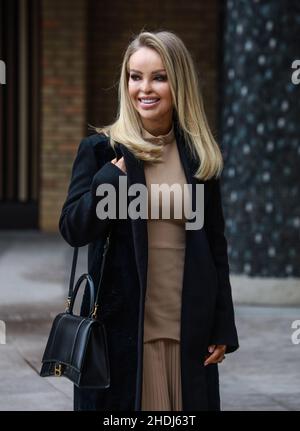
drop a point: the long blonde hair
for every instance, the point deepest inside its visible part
(187, 102)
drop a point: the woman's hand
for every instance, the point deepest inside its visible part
(216, 354)
(120, 163)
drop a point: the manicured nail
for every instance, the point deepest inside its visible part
(210, 349)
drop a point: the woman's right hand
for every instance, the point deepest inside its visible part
(120, 163)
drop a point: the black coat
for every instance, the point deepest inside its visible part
(207, 315)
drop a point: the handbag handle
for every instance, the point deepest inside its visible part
(94, 304)
(90, 283)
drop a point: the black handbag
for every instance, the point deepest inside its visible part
(77, 345)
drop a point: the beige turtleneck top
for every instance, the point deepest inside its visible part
(166, 246)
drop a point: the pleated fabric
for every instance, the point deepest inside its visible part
(162, 376)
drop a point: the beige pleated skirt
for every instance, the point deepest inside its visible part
(162, 375)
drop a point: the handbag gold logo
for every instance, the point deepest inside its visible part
(58, 370)
(2, 72)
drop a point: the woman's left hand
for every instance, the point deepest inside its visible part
(216, 354)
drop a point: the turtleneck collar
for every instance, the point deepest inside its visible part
(165, 139)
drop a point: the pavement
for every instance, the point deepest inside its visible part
(263, 375)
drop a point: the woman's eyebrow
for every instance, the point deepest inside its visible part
(155, 71)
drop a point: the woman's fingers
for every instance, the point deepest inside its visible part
(211, 348)
(218, 355)
(120, 163)
(213, 358)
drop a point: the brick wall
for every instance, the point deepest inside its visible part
(83, 43)
(62, 101)
(111, 25)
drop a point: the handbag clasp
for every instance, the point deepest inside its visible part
(94, 315)
(68, 303)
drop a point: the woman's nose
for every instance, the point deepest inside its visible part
(145, 86)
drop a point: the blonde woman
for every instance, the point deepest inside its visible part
(166, 298)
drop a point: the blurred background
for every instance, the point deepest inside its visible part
(60, 63)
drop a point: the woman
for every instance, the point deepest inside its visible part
(166, 297)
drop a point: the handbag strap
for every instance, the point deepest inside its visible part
(105, 249)
(74, 263)
(73, 271)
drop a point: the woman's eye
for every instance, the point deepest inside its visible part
(161, 77)
(158, 77)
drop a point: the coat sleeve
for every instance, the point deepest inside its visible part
(78, 223)
(224, 329)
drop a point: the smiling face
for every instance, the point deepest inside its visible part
(149, 90)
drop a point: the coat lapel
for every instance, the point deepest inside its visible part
(135, 174)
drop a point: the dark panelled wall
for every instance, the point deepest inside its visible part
(261, 137)
(19, 114)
